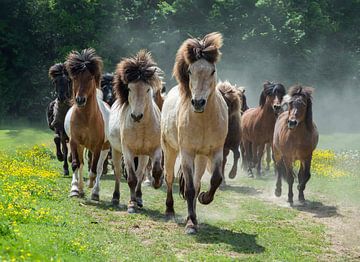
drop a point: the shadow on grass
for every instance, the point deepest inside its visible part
(318, 209)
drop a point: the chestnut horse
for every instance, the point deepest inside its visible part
(135, 124)
(86, 122)
(57, 110)
(257, 124)
(233, 97)
(194, 123)
(295, 138)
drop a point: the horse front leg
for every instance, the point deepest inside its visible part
(75, 165)
(260, 152)
(226, 151)
(268, 156)
(290, 180)
(131, 178)
(187, 166)
(157, 169)
(57, 141)
(304, 176)
(117, 162)
(98, 159)
(280, 171)
(140, 172)
(169, 164)
(207, 197)
(233, 170)
(65, 154)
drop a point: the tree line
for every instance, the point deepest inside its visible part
(312, 41)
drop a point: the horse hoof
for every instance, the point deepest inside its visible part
(82, 194)
(222, 186)
(115, 202)
(203, 199)
(74, 193)
(139, 202)
(302, 199)
(147, 182)
(291, 202)
(232, 174)
(169, 215)
(278, 192)
(190, 230)
(66, 172)
(131, 210)
(95, 197)
(60, 158)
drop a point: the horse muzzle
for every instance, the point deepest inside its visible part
(80, 101)
(292, 123)
(198, 105)
(277, 108)
(136, 117)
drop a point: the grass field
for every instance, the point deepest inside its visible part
(38, 221)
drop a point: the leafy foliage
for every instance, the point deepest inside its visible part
(313, 41)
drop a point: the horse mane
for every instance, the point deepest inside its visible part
(58, 69)
(77, 62)
(271, 88)
(140, 67)
(231, 96)
(305, 92)
(190, 51)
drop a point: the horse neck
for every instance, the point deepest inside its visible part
(267, 113)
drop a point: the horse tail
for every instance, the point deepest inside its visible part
(181, 183)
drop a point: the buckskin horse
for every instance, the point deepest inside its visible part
(295, 138)
(86, 123)
(194, 123)
(57, 110)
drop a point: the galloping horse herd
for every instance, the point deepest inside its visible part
(199, 120)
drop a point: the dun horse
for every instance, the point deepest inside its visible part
(257, 124)
(86, 122)
(57, 110)
(194, 123)
(295, 138)
(233, 97)
(135, 124)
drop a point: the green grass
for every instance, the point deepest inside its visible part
(238, 225)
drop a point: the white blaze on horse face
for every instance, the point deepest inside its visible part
(202, 79)
(140, 95)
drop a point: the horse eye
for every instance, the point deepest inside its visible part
(213, 72)
(148, 90)
(189, 72)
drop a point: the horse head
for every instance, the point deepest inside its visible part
(85, 71)
(61, 81)
(195, 68)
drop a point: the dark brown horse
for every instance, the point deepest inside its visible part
(295, 138)
(233, 98)
(57, 110)
(86, 122)
(257, 124)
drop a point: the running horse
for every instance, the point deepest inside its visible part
(194, 123)
(57, 110)
(233, 97)
(257, 125)
(135, 125)
(86, 122)
(295, 138)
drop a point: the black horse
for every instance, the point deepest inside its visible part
(57, 109)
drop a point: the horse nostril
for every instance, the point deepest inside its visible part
(136, 118)
(140, 116)
(80, 100)
(202, 102)
(277, 107)
(193, 102)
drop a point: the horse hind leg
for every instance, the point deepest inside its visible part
(280, 170)
(260, 152)
(233, 170)
(206, 198)
(98, 160)
(268, 156)
(225, 154)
